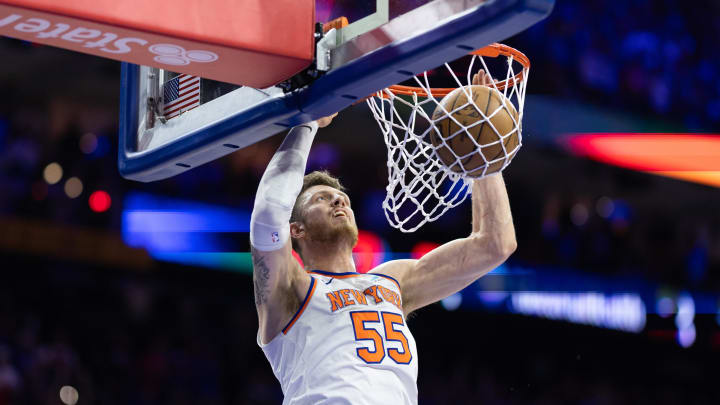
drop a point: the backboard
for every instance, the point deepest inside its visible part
(171, 123)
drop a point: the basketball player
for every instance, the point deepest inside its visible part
(334, 336)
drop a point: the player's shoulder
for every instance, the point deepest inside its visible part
(394, 269)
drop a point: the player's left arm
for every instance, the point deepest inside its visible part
(455, 265)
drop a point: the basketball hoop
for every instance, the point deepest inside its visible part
(421, 187)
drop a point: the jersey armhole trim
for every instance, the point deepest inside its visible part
(334, 275)
(389, 278)
(299, 312)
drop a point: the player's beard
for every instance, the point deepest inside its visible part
(338, 233)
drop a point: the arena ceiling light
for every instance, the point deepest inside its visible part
(689, 157)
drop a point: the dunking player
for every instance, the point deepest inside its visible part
(334, 336)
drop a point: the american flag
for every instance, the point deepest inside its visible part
(180, 94)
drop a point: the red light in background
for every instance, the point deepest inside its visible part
(296, 255)
(661, 334)
(369, 251)
(422, 248)
(715, 341)
(39, 191)
(99, 201)
(689, 157)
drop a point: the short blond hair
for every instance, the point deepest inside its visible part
(316, 178)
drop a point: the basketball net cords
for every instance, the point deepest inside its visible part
(416, 175)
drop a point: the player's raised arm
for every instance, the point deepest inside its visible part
(456, 264)
(279, 280)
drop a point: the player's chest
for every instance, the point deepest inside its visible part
(367, 316)
(372, 293)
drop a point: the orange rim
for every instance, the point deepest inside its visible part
(493, 51)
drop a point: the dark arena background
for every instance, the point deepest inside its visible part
(118, 292)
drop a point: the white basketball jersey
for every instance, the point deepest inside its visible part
(347, 344)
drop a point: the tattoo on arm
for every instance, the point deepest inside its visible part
(261, 276)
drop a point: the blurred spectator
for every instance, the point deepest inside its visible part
(10, 381)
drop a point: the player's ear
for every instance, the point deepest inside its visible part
(297, 230)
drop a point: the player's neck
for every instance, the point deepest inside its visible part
(329, 259)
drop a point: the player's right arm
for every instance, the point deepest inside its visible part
(279, 281)
(277, 276)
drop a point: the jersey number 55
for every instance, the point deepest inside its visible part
(389, 320)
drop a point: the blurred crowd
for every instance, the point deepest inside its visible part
(646, 229)
(653, 57)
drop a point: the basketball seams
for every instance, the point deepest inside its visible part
(516, 129)
(493, 140)
(500, 140)
(504, 143)
(482, 126)
(447, 147)
(476, 135)
(451, 142)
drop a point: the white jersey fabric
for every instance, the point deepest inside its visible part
(347, 344)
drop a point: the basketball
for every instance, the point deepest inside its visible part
(485, 140)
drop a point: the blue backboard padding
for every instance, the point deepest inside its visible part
(128, 110)
(338, 89)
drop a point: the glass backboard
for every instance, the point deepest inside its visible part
(170, 124)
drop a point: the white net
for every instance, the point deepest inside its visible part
(440, 139)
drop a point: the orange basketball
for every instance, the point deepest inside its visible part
(469, 158)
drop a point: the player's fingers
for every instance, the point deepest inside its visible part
(325, 121)
(489, 80)
(478, 77)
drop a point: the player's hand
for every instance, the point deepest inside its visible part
(325, 121)
(482, 78)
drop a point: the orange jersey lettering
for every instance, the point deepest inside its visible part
(351, 297)
(335, 300)
(346, 297)
(372, 291)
